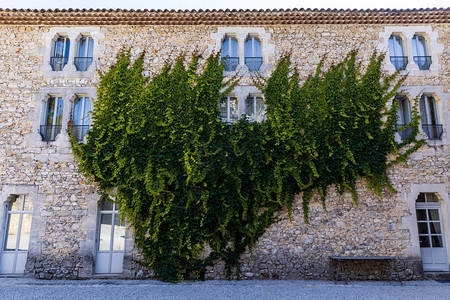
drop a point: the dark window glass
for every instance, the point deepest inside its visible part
(421, 215)
(424, 241)
(423, 228)
(437, 241)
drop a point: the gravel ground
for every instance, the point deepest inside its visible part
(23, 288)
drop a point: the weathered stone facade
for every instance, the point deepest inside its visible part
(63, 237)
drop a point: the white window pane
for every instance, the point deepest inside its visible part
(398, 46)
(87, 111)
(421, 46)
(233, 109)
(67, 48)
(104, 243)
(82, 47)
(260, 109)
(223, 110)
(119, 234)
(250, 108)
(12, 229)
(59, 112)
(25, 232)
(50, 111)
(423, 113)
(77, 116)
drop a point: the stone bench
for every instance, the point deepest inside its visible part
(361, 267)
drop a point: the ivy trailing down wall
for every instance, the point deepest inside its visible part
(196, 189)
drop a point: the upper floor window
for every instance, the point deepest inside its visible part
(81, 117)
(52, 118)
(420, 52)
(397, 52)
(229, 109)
(253, 56)
(85, 53)
(230, 53)
(60, 54)
(430, 118)
(255, 109)
(404, 116)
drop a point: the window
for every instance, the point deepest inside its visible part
(420, 52)
(84, 53)
(110, 240)
(52, 118)
(17, 235)
(253, 56)
(230, 53)
(404, 116)
(229, 109)
(255, 109)
(430, 118)
(397, 52)
(431, 232)
(60, 55)
(81, 117)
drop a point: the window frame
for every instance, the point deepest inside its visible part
(55, 128)
(254, 39)
(255, 98)
(229, 119)
(80, 134)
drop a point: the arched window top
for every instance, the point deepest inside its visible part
(427, 198)
(396, 46)
(252, 46)
(107, 205)
(20, 203)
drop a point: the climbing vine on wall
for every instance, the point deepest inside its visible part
(196, 189)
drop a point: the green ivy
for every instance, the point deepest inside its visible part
(196, 189)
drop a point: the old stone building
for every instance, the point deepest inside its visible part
(54, 224)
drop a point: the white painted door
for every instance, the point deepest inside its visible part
(110, 240)
(431, 237)
(17, 235)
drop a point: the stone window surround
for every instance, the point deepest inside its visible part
(242, 33)
(414, 94)
(37, 220)
(407, 33)
(410, 221)
(68, 94)
(74, 34)
(241, 93)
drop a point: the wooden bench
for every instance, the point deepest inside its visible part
(338, 267)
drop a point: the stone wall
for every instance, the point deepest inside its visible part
(65, 214)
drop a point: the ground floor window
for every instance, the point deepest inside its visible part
(16, 235)
(110, 240)
(431, 232)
